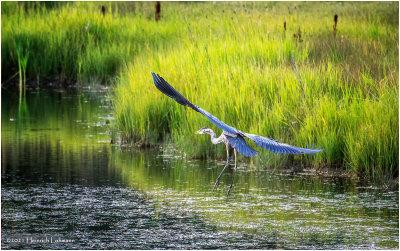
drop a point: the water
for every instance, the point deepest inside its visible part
(65, 186)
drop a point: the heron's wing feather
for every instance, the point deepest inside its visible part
(241, 146)
(219, 123)
(278, 147)
(170, 91)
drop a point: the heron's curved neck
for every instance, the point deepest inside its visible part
(216, 140)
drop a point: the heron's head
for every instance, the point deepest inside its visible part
(204, 130)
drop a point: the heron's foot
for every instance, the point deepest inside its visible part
(216, 184)
(219, 176)
(229, 190)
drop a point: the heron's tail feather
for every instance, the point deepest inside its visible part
(170, 91)
(278, 147)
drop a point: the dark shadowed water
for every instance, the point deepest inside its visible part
(64, 186)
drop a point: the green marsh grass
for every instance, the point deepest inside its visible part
(73, 41)
(234, 60)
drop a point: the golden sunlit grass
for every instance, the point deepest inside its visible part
(337, 86)
(238, 63)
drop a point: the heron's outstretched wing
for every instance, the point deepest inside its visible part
(278, 147)
(269, 144)
(170, 91)
(241, 146)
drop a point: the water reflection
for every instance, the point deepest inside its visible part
(297, 211)
(57, 134)
(62, 177)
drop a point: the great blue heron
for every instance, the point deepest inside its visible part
(230, 136)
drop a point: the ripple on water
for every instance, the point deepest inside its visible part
(107, 218)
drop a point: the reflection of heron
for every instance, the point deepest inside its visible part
(230, 135)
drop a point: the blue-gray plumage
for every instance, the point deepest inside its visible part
(230, 135)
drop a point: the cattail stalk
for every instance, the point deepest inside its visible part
(157, 13)
(335, 19)
(103, 10)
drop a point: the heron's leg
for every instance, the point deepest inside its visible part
(233, 175)
(227, 164)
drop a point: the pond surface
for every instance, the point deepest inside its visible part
(65, 186)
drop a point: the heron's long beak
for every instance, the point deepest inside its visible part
(197, 132)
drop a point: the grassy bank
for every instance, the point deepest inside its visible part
(235, 60)
(73, 41)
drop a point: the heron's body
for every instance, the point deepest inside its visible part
(220, 139)
(230, 136)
